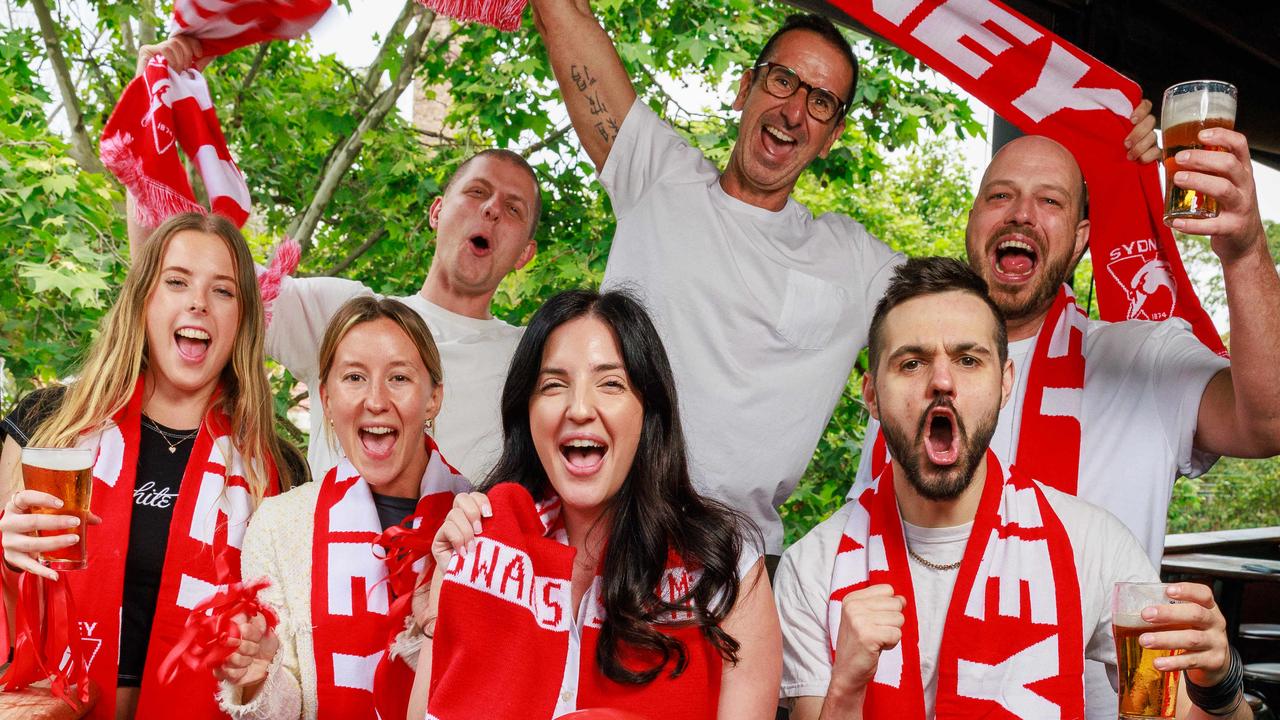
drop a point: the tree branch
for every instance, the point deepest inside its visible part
(546, 141)
(354, 255)
(303, 227)
(147, 22)
(248, 82)
(81, 147)
(369, 88)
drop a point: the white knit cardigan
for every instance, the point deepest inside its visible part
(278, 544)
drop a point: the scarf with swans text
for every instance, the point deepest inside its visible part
(518, 578)
(1012, 645)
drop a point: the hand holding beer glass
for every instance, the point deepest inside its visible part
(47, 518)
(1189, 108)
(1161, 630)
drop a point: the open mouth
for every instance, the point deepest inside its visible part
(193, 343)
(941, 439)
(776, 141)
(583, 456)
(1015, 260)
(378, 440)
(480, 245)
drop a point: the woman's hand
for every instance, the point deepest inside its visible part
(461, 526)
(246, 668)
(18, 530)
(182, 52)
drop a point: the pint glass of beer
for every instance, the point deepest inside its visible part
(1190, 107)
(67, 474)
(1145, 692)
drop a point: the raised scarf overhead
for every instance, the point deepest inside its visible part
(351, 598)
(159, 111)
(1049, 432)
(518, 578)
(224, 25)
(1006, 652)
(1047, 86)
(209, 519)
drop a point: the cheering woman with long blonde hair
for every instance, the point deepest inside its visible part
(174, 395)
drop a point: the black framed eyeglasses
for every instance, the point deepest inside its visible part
(781, 81)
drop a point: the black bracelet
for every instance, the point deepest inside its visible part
(1223, 697)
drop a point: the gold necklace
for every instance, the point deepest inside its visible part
(179, 439)
(933, 566)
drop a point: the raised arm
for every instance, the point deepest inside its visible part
(593, 81)
(1240, 409)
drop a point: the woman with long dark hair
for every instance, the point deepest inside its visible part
(661, 606)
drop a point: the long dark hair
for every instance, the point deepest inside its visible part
(655, 511)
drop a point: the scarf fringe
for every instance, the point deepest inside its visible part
(153, 202)
(504, 15)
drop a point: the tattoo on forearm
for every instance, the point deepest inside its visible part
(582, 79)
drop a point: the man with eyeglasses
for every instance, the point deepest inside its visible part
(762, 306)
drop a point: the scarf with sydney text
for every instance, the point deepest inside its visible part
(1046, 86)
(355, 606)
(203, 553)
(1049, 433)
(518, 578)
(1006, 652)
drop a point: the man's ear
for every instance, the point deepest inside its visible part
(744, 89)
(1006, 382)
(1082, 241)
(433, 215)
(527, 254)
(836, 132)
(869, 396)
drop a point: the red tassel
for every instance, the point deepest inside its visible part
(32, 660)
(203, 646)
(502, 14)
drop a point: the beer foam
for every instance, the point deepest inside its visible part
(1194, 106)
(58, 458)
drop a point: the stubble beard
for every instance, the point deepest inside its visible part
(946, 483)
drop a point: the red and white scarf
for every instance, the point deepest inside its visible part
(518, 578)
(224, 25)
(501, 14)
(158, 112)
(1006, 652)
(203, 552)
(351, 598)
(1049, 432)
(1047, 86)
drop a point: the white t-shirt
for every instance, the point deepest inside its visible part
(1142, 387)
(762, 313)
(475, 355)
(1105, 553)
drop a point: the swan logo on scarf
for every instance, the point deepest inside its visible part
(1141, 270)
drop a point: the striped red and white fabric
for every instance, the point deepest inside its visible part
(502, 14)
(352, 599)
(1012, 646)
(225, 25)
(160, 111)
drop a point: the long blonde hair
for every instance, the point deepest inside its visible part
(118, 356)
